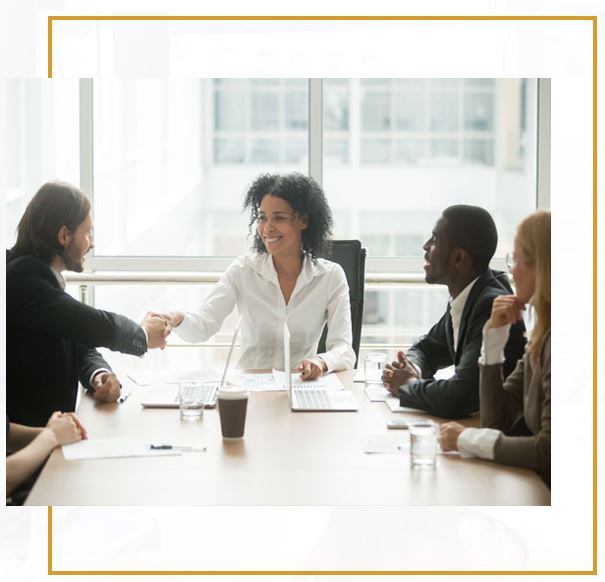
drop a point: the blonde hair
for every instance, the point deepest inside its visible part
(533, 238)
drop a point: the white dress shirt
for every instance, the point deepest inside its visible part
(480, 442)
(321, 295)
(457, 308)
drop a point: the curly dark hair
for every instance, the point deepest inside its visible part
(306, 198)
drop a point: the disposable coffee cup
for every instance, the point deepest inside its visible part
(232, 405)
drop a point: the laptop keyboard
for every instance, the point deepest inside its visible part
(311, 398)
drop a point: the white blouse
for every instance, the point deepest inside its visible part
(481, 442)
(321, 295)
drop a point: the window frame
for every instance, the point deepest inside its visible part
(375, 266)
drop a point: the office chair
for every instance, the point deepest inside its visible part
(352, 258)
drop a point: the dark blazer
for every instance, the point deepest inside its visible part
(458, 396)
(50, 341)
(526, 393)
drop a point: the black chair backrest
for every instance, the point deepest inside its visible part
(352, 258)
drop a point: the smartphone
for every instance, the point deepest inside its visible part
(400, 423)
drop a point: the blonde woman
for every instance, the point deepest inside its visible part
(526, 392)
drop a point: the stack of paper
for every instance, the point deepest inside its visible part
(393, 404)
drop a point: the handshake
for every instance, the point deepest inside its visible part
(158, 327)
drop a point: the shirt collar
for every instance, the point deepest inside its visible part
(60, 278)
(263, 265)
(457, 305)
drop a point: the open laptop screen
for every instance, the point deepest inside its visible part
(287, 368)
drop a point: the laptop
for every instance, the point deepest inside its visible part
(167, 396)
(313, 398)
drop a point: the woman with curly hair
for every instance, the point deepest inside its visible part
(526, 392)
(282, 280)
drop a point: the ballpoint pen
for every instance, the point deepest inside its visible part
(165, 447)
(124, 396)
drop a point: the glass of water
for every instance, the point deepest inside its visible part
(423, 443)
(191, 400)
(373, 366)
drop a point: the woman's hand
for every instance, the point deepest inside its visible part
(311, 369)
(505, 309)
(448, 435)
(83, 432)
(171, 318)
(64, 428)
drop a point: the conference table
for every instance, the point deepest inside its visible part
(285, 458)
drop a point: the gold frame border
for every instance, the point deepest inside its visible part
(593, 572)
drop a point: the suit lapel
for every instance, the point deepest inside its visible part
(449, 331)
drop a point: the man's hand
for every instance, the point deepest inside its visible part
(106, 387)
(448, 435)
(158, 329)
(505, 309)
(398, 373)
(311, 369)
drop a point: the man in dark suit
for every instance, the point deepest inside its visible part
(457, 254)
(50, 337)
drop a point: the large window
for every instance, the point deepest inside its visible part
(398, 151)
(172, 160)
(41, 141)
(169, 162)
(414, 146)
(261, 121)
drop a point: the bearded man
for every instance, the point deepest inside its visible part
(50, 336)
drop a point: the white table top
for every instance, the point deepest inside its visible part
(286, 458)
